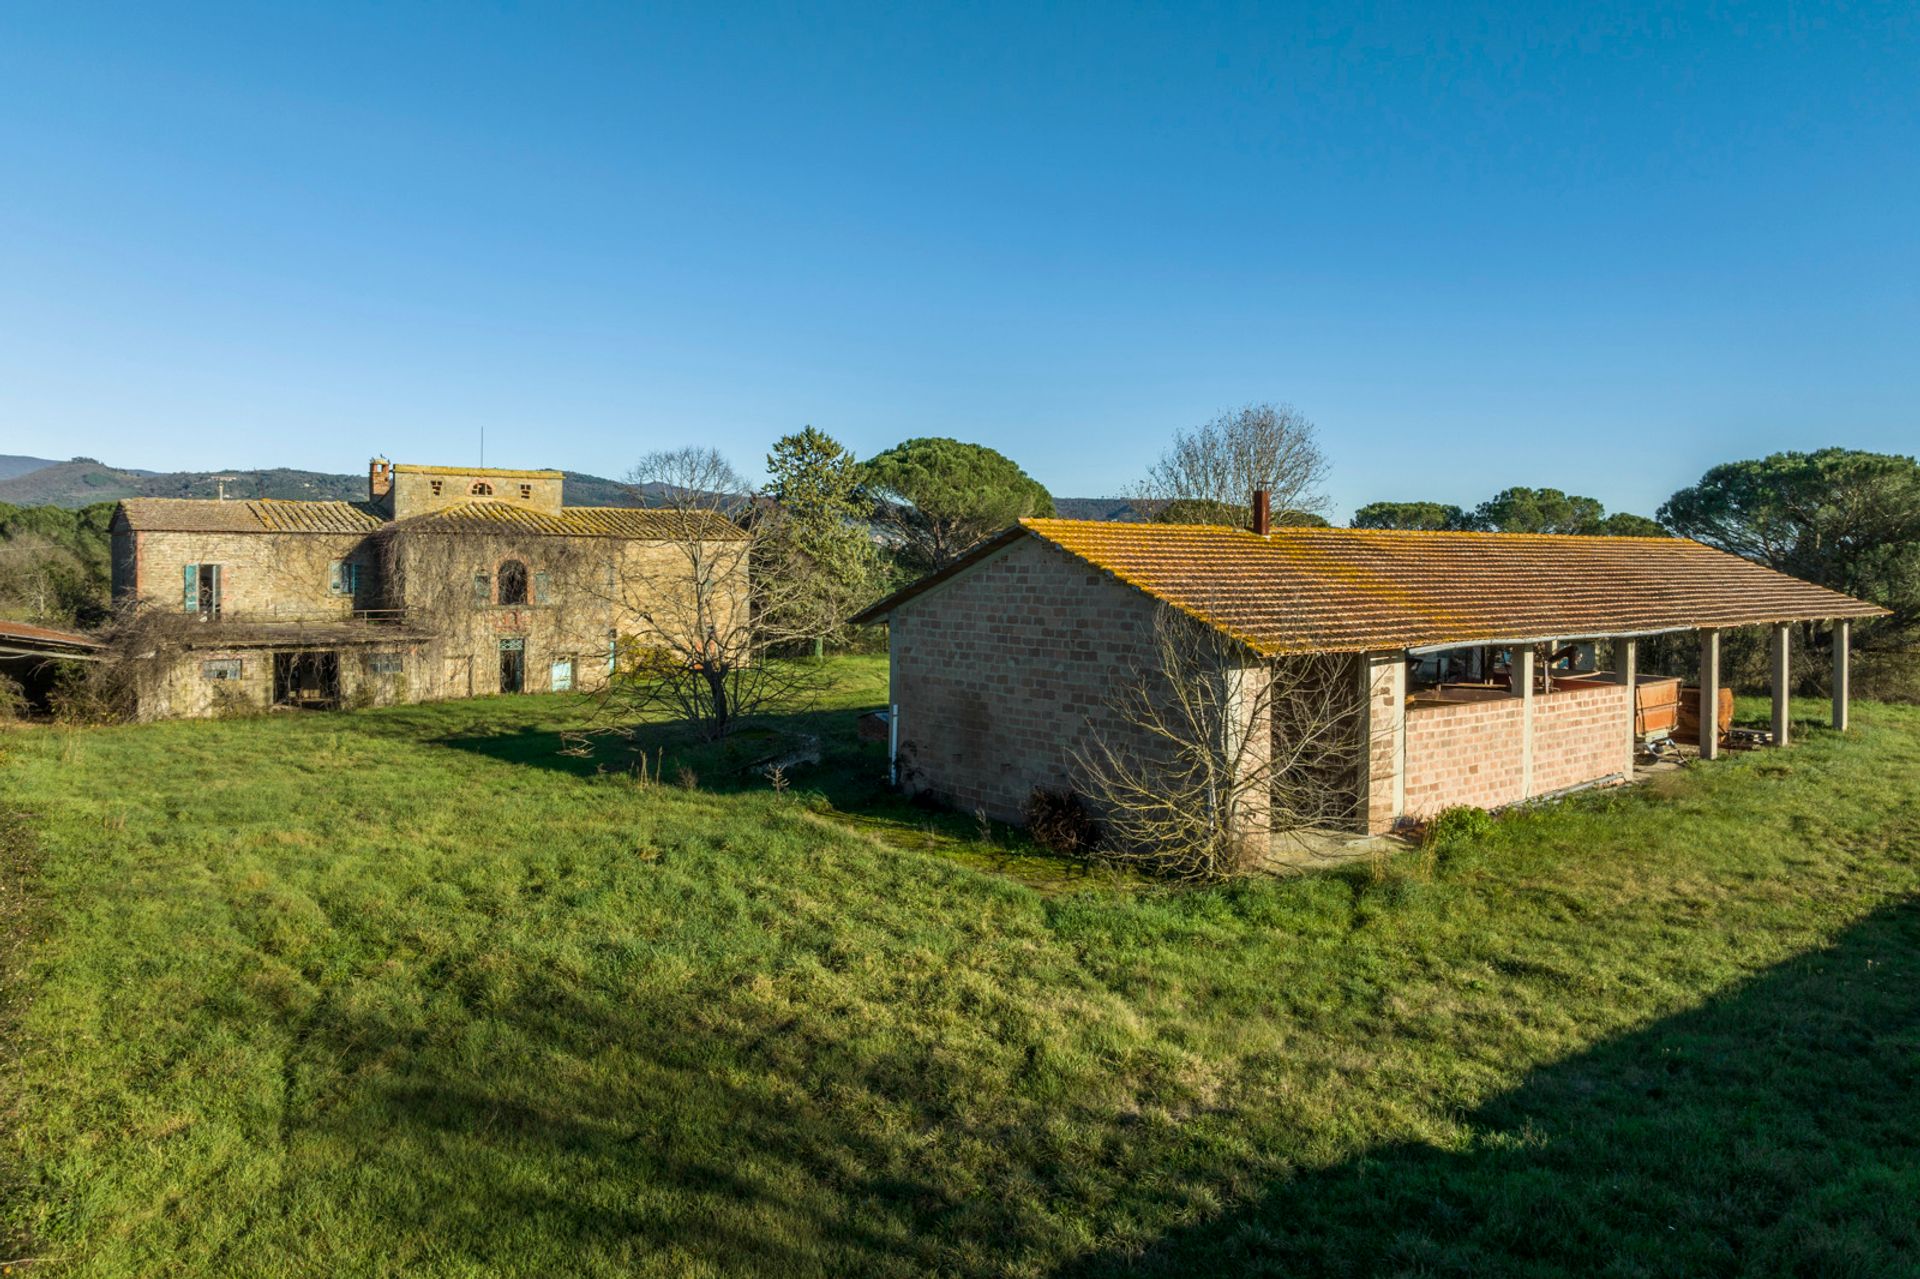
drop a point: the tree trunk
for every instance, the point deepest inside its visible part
(722, 713)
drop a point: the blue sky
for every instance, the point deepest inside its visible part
(1584, 246)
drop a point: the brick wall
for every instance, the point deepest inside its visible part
(1471, 752)
(1001, 671)
(1463, 754)
(1578, 735)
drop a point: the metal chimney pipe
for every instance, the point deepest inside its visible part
(1262, 517)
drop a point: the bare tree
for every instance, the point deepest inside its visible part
(1259, 446)
(715, 627)
(1218, 750)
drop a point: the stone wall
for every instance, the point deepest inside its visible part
(594, 590)
(265, 577)
(419, 489)
(182, 688)
(582, 591)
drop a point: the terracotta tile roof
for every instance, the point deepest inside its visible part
(209, 515)
(44, 635)
(206, 515)
(572, 521)
(1349, 590)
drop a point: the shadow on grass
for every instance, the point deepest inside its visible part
(704, 1134)
(850, 777)
(1773, 1130)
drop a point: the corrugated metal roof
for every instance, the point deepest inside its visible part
(269, 515)
(45, 635)
(575, 521)
(1350, 590)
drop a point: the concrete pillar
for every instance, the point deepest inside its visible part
(1709, 693)
(1626, 664)
(1383, 759)
(1842, 638)
(1782, 650)
(1520, 676)
(1250, 747)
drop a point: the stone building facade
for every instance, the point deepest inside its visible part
(446, 582)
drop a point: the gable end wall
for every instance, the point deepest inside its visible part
(1000, 671)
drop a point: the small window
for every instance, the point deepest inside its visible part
(482, 589)
(386, 664)
(481, 489)
(343, 578)
(526, 492)
(513, 582)
(200, 589)
(435, 485)
(222, 668)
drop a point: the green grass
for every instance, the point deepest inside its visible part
(411, 992)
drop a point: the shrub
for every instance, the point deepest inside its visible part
(13, 699)
(1457, 830)
(1060, 823)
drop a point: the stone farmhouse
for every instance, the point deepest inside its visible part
(1471, 657)
(446, 582)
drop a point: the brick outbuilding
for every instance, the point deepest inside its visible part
(1472, 656)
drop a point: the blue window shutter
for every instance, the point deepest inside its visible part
(215, 570)
(337, 577)
(482, 589)
(542, 588)
(353, 579)
(190, 599)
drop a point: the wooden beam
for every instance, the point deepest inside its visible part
(1842, 639)
(1709, 693)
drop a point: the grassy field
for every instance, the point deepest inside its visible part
(427, 991)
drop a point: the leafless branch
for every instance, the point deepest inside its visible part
(1220, 750)
(1259, 446)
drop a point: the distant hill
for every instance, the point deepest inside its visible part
(84, 481)
(12, 464)
(35, 481)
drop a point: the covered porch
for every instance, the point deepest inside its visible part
(1510, 720)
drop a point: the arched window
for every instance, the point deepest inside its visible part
(513, 582)
(481, 489)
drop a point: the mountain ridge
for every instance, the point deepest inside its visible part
(85, 481)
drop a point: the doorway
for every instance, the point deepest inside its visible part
(513, 665)
(309, 681)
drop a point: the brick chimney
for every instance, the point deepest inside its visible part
(379, 479)
(1262, 517)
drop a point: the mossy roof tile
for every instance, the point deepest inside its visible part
(1350, 590)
